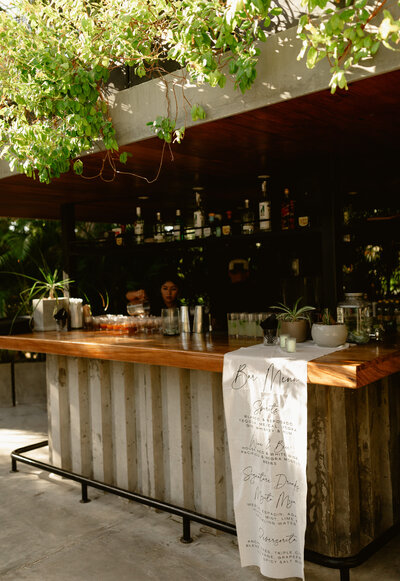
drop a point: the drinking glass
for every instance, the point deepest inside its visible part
(252, 325)
(242, 325)
(283, 337)
(170, 321)
(233, 319)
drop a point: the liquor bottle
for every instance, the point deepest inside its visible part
(179, 230)
(264, 207)
(208, 226)
(198, 217)
(120, 235)
(158, 229)
(303, 213)
(138, 227)
(190, 233)
(218, 226)
(349, 214)
(247, 219)
(287, 211)
(227, 226)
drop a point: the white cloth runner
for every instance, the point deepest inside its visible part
(265, 401)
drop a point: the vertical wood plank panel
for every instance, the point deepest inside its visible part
(203, 443)
(130, 406)
(367, 521)
(219, 446)
(149, 433)
(177, 436)
(344, 472)
(319, 469)
(101, 425)
(230, 513)
(59, 416)
(353, 476)
(380, 460)
(394, 448)
(81, 448)
(119, 423)
(50, 364)
(141, 430)
(154, 410)
(123, 424)
(187, 436)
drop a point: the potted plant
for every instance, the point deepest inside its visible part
(293, 321)
(328, 333)
(43, 299)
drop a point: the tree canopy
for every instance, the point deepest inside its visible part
(56, 58)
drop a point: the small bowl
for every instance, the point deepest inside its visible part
(329, 335)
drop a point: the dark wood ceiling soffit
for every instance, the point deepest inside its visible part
(225, 156)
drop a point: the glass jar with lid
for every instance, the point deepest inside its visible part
(354, 312)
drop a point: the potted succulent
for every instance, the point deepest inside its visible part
(328, 333)
(43, 299)
(294, 321)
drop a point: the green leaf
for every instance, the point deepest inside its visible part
(198, 112)
(312, 57)
(78, 167)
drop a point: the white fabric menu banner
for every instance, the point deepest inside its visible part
(265, 401)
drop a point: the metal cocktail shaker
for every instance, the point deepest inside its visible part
(184, 320)
(198, 319)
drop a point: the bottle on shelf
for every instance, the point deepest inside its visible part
(138, 227)
(264, 207)
(303, 221)
(190, 233)
(349, 213)
(120, 235)
(158, 229)
(218, 226)
(178, 230)
(227, 226)
(287, 211)
(208, 225)
(198, 217)
(168, 232)
(247, 219)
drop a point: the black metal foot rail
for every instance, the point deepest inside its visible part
(187, 515)
(344, 564)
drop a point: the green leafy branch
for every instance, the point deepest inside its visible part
(345, 37)
(56, 57)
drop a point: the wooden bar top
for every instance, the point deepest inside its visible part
(353, 367)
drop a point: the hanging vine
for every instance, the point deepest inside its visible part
(56, 58)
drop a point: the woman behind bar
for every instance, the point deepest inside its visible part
(168, 293)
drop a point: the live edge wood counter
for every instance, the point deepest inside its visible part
(146, 414)
(353, 367)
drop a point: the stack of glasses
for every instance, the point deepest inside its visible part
(246, 325)
(121, 324)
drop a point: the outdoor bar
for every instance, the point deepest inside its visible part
(279, 202)
(146, 415)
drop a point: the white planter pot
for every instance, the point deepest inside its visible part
(43, 313)
(329, 335)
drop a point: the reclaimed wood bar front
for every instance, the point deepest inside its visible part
(146, 414)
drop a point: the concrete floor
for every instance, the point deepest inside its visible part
(46, 534)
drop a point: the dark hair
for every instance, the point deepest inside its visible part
(169, 276)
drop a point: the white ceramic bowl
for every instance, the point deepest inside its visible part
(329, 335)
